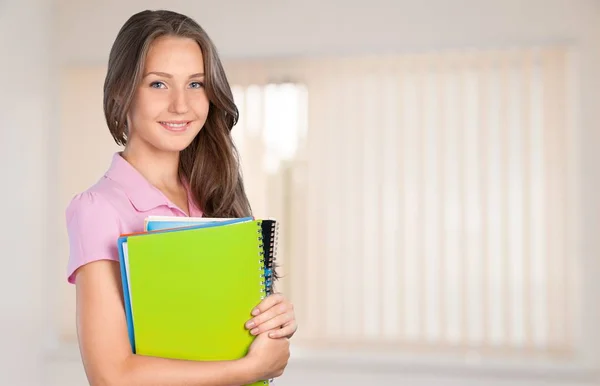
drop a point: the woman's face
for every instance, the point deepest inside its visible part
(170, 105)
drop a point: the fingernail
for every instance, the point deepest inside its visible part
(255, 311)
(250, 324)
(253, 332)
(272, 335)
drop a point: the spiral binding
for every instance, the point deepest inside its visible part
(275, 244)
(270, 266)
(262, 260)
(269, 230)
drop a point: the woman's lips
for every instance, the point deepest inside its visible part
(176, 126)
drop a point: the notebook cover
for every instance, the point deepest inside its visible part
(155, 224)
(192, 290)
(122, 242)
(125, 284)
(269, 229)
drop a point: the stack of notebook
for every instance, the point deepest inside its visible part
(190, 284)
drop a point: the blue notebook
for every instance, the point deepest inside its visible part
(153, 223)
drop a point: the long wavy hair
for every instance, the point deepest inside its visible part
(210, 164)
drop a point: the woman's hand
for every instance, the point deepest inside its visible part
(267, 358)
(274, 314)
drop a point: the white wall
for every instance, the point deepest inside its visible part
(25, 115)
(275, 28)
(241, 29)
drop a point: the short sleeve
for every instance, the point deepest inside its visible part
(93, 229)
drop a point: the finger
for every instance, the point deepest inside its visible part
(271, 324)
(287, 330)
(267, 303)
(262, 318)
(278, 309)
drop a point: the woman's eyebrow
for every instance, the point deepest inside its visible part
(167, 75)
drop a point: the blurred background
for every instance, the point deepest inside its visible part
(433, 165)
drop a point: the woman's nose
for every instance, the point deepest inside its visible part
(179, 102)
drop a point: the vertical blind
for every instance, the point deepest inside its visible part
(426, 200)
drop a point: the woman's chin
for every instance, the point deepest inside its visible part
(176, 142)
(174, 145)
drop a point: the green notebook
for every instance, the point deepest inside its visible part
(191, 290)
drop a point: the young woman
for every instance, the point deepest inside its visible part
(167, 100)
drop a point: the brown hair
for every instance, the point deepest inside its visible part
(210, 163)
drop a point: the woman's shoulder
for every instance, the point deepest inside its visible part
(97, 199)
(93, 227)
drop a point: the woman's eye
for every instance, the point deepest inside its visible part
(197, 84)
(157, 85)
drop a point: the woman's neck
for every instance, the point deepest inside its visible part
(161, 169)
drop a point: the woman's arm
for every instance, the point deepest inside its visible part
(107, 355)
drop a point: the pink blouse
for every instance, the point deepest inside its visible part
(117, 204)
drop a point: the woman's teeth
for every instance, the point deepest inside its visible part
(175, 125)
